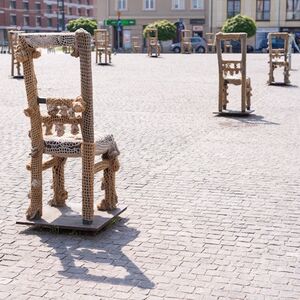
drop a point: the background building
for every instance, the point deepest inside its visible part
(270, 15)
(41, 15)
(136, 14)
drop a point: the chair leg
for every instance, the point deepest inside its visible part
(271, 74)
(225, 94)
(60, 194)
(109, 185)
(248, 94)
(35, 209)
(88, 158)
(286, 74)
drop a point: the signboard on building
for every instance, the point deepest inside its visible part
(124, 22)
(198, 28)
(197, 21)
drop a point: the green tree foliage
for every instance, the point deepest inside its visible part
(240, 24)
(166, 30)
(87, 24)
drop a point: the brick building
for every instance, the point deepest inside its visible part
(41, 15)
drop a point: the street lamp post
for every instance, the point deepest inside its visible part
(63, 25)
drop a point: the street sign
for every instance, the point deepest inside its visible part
(124, 22)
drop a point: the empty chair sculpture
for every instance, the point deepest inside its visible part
(227, 47)
(136, 48)
(211, 42)
(279, 57)
(186, 45)
(102, 46)
(233, 71)
(78, 113)
(15, 65)
(153, 47)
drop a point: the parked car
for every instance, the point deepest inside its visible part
(277, 43)
(198, 45)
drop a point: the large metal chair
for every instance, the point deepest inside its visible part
(211, 42)
(102, 46)
(78, 113)
(278, 58)
(153, 47)
(185, 41)
(15, 65)
(233, 71)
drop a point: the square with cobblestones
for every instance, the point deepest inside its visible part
(213, 202)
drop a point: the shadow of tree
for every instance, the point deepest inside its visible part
(104, 248)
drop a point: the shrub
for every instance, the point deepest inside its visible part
(87, 24)
(166, 30)
(240, 24)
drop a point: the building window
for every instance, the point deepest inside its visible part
(12, 4)
(197, 4)
(149, 4)
(26, 5)
(262, 10)
(293, 9)
(178, 4)
(49, 8)
(38, 7)
(90, 12)
(13, 20)
(233, 8)
(49, 22)
(26, 20)
(38, 21)
(121, 4)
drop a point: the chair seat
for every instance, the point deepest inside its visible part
(71, 146)
(279, 61)
(235, 79)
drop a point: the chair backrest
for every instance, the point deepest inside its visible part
(210, 38)
(135, 41)
(280, 50)
(185, 36)
(152, 37)
(58, 109)
(13, 39)
(231, 66)
(102, 38)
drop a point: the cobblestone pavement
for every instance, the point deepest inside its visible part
(213, 203)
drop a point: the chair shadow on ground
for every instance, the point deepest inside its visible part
(251, 119)
(101, 249)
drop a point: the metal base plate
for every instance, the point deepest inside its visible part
(70, 217)
(234, 113)
(18, 77)
(279, 84)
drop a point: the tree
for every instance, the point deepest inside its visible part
(240, 24)
(166, 30)
(87, 24)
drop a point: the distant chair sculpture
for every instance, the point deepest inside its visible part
(227, 47)
(279, 57)
(15, 65)
(136, 47)
(233, 72)
(102, 46)
(153, 47)
(185, 41)
(211, 42)
(77, 112)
